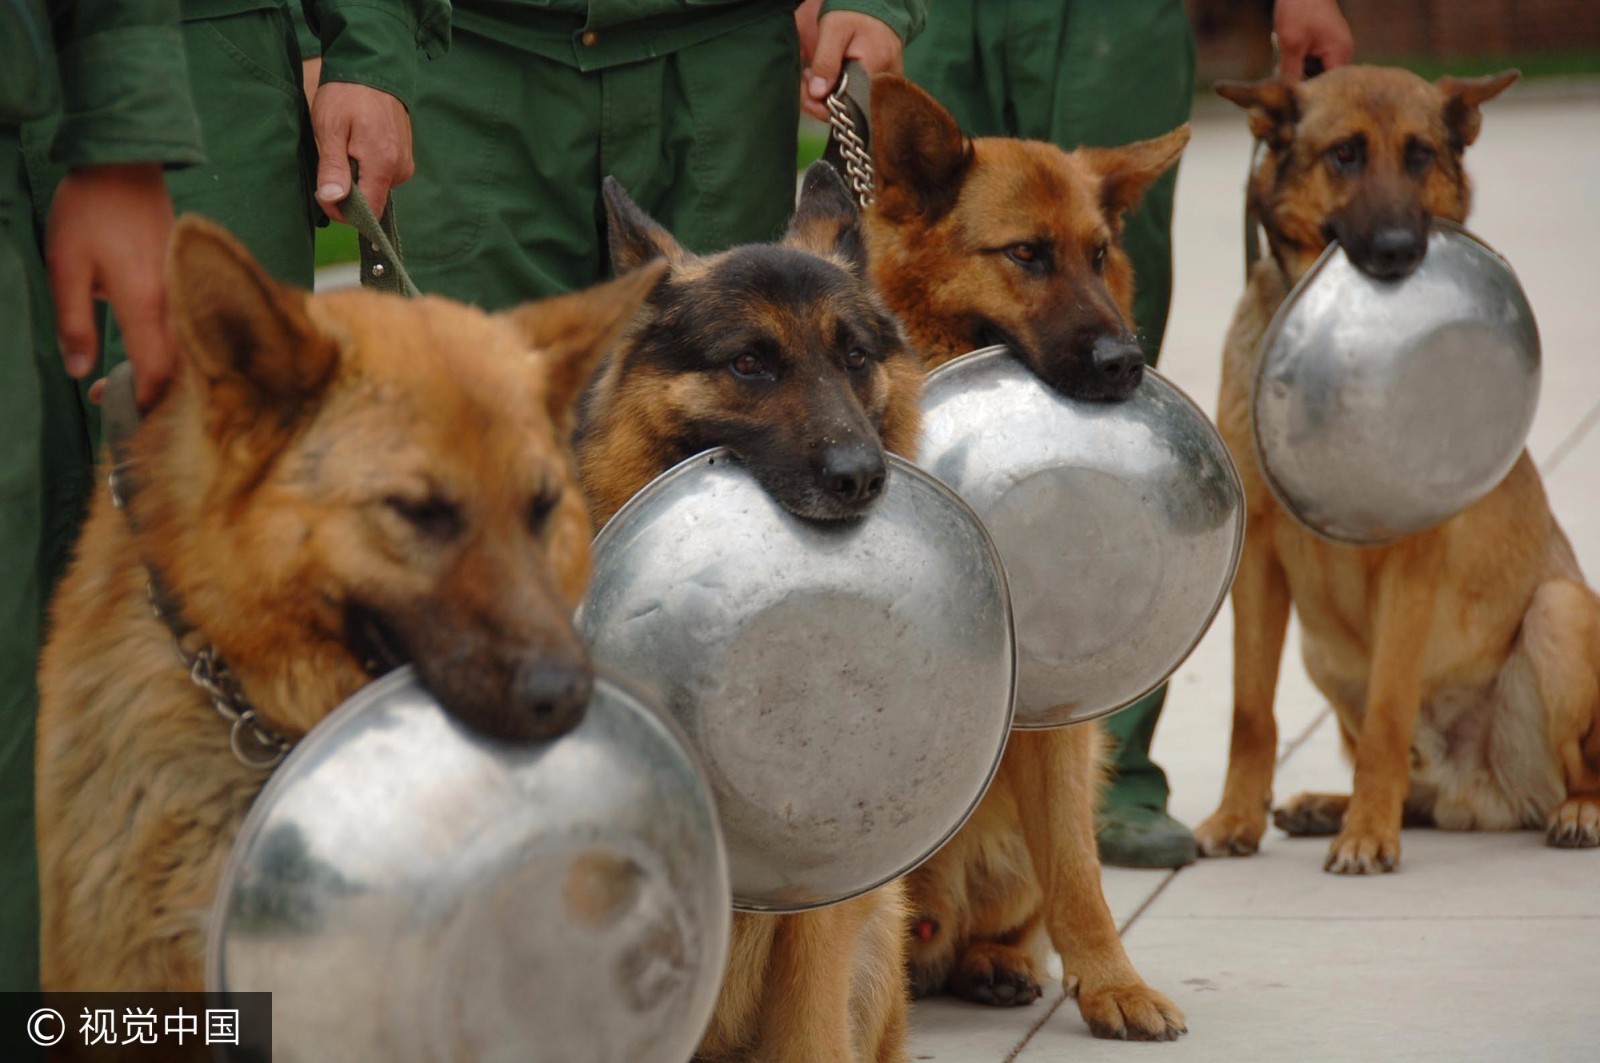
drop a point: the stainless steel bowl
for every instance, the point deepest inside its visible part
(1382, 408)
(847, 686)
(1120, 525)
(409, 891)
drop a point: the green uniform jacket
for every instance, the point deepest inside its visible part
(368, 42)
(116, 70)
(599, 34)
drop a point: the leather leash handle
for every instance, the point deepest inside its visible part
(382, 268)
(849, 148)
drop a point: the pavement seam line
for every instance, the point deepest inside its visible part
(1570, 442)
(1303, 737)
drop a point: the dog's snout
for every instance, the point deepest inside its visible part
(1395, 252)
(551, 697)
(1119, 364)
(854, 472)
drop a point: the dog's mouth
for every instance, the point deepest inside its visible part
(1110, 371)
(372, 640)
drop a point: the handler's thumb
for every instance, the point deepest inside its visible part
(827, 60)
(333, 172)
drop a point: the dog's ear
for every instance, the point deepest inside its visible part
(249, 337)
(1126, 172)
(1462, 97)
(918, 151)
(570, 334)
(827, 221)
(1274, 109)
(634, 237)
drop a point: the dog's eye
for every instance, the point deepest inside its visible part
(544, 503)
(1099, 262)
(1347, 156)
(748, 366)
(1418, 156)
(434, 517)
(1023, 254)
(855, 359)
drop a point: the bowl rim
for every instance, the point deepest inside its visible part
(898, 466)
(640, 705)
(984, 355)
(1279, 321)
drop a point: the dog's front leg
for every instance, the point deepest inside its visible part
(806, 1016)
(1057, 774)
(1403, 618)
(1260, 621)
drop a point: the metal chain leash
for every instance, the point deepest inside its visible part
(254, 744)
(852, 147)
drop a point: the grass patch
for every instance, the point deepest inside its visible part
(1539, 65)
(337, 243)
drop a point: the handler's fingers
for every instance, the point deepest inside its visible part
(141, 310)
(72, 291)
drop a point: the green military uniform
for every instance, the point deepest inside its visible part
(257, 180)
(1080, 72)
(692, 106)
(114, 72)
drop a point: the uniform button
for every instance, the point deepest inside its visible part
(590, 38)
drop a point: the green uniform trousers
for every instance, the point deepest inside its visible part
(1078, 72)
(511, 148)
(19, 584)
(244, 69)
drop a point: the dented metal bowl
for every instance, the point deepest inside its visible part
(407, 890)
(1120, 525)
(1382, 408)
(848, 686)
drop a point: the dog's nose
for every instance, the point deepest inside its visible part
(551, 697)
(1119, 364)
(1395, 252)
(854, 472)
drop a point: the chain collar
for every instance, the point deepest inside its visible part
(254, 744)
(852, 147)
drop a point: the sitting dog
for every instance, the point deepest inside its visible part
(782, 353)
(1463, 662)
(332, 485)
(975, 242)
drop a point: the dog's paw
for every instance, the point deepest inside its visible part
(1575, 824)
(1358, 851)
(1131, 1013)
(1001, 976)
(1307, 815)
(1229, 833)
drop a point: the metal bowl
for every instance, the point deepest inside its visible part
(1382, 408)
(409, 891)
(847, 686)
(1120, 525)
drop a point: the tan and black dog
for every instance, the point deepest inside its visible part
(1463, 662)
(783, 353)
(990, 240)
(331, 480)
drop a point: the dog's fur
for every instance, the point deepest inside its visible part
(326, 473)
(975, 241)
(826, 986)
(1463, 662)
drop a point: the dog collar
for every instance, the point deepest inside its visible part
(254, 744)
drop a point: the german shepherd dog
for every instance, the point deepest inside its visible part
(981, 241)
(782, 353)
(1463, 662)
(333, 483)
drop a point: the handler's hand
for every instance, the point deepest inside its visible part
(107, 239)
(353, 121)
(1310, 29)
(842, 35)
